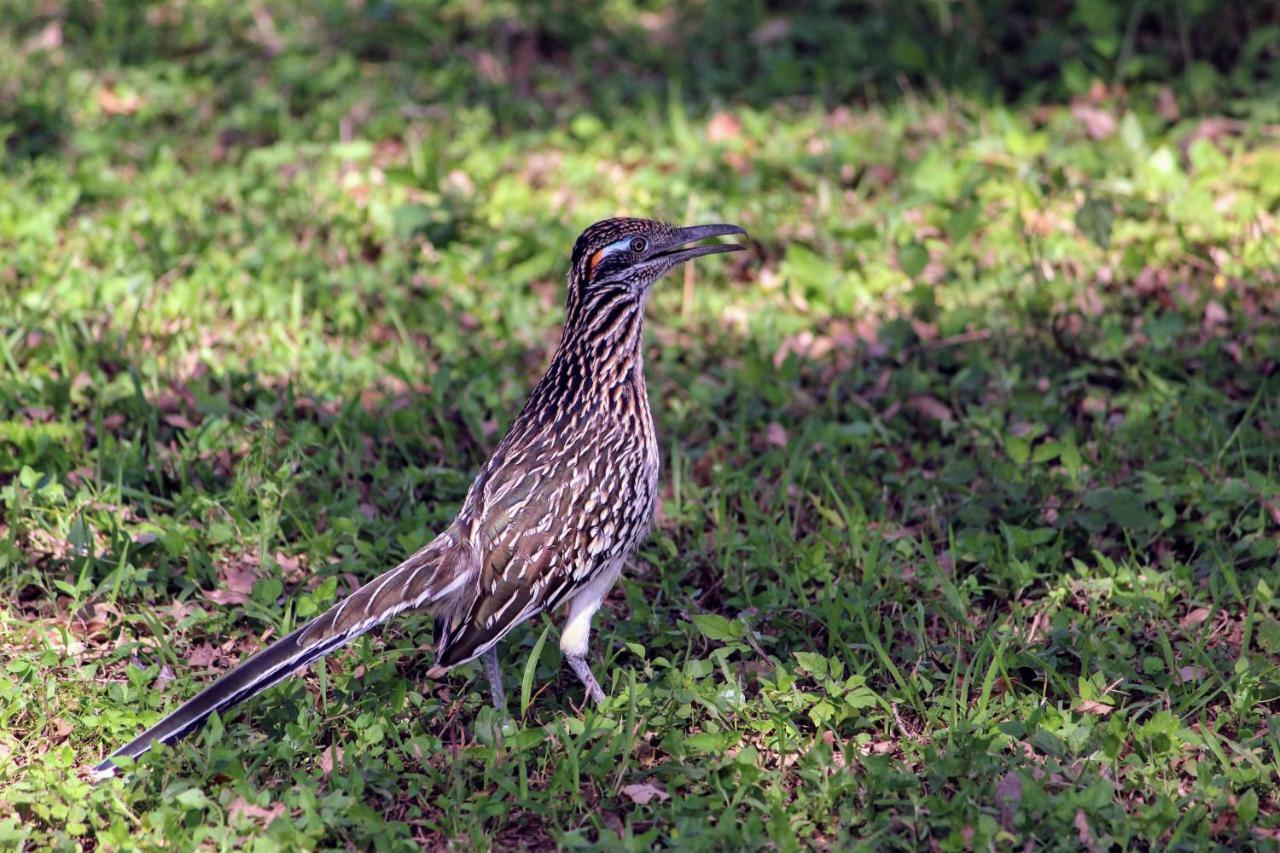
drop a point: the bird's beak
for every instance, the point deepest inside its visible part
(675, 255)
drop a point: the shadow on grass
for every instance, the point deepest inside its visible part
(536, 65)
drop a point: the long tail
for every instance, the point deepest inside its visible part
(429, 577)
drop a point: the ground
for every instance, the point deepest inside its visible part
(968, 532)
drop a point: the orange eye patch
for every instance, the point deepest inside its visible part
(595, 259)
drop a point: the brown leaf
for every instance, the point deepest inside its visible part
(59, 730)
(202, 655)
(1098, 123)
(1214, 315)
(237, 584)
(931, 407)
(642, 792)
(1083, 831)
(49, 38)
(114, 104)
(1195, 617)
(1167, 105)
(332, 755)
(1009, 793)
(772, 30)
(1189, 674)
(723, 127)
(261, 815)
(291, 567)
(1089, 706)
(776, 434)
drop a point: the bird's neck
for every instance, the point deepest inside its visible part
(602, 347)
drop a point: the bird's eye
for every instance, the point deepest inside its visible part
(639, 244)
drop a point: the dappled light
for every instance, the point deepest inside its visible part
(969, 511)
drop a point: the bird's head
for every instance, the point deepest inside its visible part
(632, 254)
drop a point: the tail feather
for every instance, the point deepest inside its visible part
(429, 577)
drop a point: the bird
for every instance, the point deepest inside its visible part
(566, 498)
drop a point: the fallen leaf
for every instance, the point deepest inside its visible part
(642, 792)
(1009, 793)
(237, 584)
(202, 655)
(1098, 123)
(931, 407)
(333, 754)
(723, 127)
(291, 567)
(59, 731)
(772, 30)
(1083, 832)
(115, 104)
(1188, 674)
(1214, 315)
(1195, 617)
(1089, 706)
(242, 808)
(776, 434)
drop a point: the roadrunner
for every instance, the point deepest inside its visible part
(567, 496)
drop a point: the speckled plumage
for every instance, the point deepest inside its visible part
(566, 497)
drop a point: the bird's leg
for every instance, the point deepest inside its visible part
(582, 669)
(577, 628)
(493, 673)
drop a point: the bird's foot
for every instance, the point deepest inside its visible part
(581, 669)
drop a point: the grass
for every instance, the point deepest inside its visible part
(969, 527)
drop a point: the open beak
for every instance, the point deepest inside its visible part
(675, 255)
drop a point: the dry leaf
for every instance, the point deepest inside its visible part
(1083, 833)
(1098, 123)
(202, 655)
(723, 127)
(179, 422)
(237, 583)
(1009, 794)
(118, 105)
(291, 567)
(642, 792)
(59, 731)
(931, 407)
(1195, 617)
(1214, 314)
(1088, 706)
(776, 434)
(772, 30)
(1188, 674)
(256, 813)
(332, 755)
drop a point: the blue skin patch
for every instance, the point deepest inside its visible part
(600, 255)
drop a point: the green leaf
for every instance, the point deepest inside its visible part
(1268, 633)
(812, 663)
(715, 627)
(530, 668)
(1095, 219)
(913, 258)
(1247, 807)
(1046, 452)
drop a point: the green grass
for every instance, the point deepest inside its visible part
(969, 528)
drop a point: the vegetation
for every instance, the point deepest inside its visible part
(971, 510)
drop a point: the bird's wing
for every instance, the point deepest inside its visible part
(528, 559)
